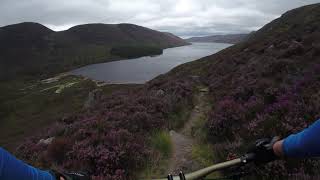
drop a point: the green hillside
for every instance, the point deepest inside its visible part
(32, 50)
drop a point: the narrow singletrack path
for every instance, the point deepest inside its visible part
(182, 140)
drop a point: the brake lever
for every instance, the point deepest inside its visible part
(182, 176)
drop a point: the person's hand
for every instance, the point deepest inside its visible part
(264, 151)
(278, 148)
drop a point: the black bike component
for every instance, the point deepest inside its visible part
(170, 177)
(263, 150)
(182, 176)
(249, 157)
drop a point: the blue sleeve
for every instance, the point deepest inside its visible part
(14, 169)
(304, 144)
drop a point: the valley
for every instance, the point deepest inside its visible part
(31, 50)
(199, 110)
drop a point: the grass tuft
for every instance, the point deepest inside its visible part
(178, 118)
(161, 142)
(161, 149)
(203, 153)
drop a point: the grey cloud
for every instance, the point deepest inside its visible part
(182, 17)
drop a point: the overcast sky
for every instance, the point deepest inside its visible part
(181, 17)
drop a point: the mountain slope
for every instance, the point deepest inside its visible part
(229, 38)
(265, 86)
(32, 49)
(117, 34)
(20, 35)
(18, 44)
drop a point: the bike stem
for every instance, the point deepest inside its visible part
(208, 170)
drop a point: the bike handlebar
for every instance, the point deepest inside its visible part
(208, 170)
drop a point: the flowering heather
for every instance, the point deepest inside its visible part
(110, 141)
(261, 91)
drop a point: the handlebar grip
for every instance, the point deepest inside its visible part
(170, 177)
(248, 158)
(182, 176)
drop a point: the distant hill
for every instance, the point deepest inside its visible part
(34, 50)
(229, 38)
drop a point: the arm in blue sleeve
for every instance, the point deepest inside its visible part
(305, 144)
(14, 169)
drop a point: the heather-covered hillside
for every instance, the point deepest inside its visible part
(265, 86)
(110, 140)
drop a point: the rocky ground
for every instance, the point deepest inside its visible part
(183, 140)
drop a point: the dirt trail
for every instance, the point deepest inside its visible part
(183, 141)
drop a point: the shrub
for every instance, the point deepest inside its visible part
(244, 120)
(225, 119)
(58, 148)
(161, 142)
(203, 153)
